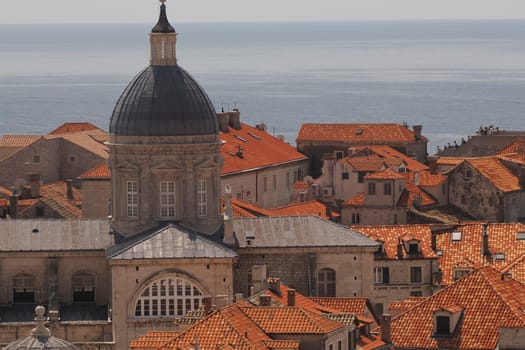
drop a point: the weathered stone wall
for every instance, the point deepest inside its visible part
(96, 198)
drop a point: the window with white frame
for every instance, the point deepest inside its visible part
(133, 199)
(168, 297)
(326, 282)
(381, 275)
(24, 289)
(83, 287)
(202, 195)
(167, 199)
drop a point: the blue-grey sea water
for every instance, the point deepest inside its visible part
(449, 76)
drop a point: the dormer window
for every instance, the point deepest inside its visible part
(413, 248)
(446, 320)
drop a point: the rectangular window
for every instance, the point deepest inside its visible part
(381, 275)
(167, 199)
(288, 182)
(274, 182)
(265, 184)
(133, 199)
(203, 198)
(416, 293)
(387, 189)
(415, 274)
(442, 325)
(371, 188)
(379, 308)
(361, 177)
(345, 176)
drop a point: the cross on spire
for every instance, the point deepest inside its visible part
(162, 1)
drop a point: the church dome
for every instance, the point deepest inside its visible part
(163, 99)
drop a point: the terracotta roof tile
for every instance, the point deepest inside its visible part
(516, 146)
(356, 306)
(100, 171)
(406, 304)
(357, 133)
(393, 156)
(496, 173)
(250, 208)
(259, 149)
(426, 179)
(300, 185)
(387, 174)
(369, 342)
(304, 208)
(290, 320)
(516, 269)
(54, 195)
(513, 158)
(300, 300)
(18, 141)
(391, 235)
(451, 161)
(4, 202)
(465, 250)
(4, 191)
(358, 200)
(73, 127)
(282, 344)
(366, 163)
(412, 191)
(487, 301)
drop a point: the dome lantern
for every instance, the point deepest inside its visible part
(163, 41)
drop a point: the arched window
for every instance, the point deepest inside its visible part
(83, 288)
(24, 289)
(326, 283)
(168, 296)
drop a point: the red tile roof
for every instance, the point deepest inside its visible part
(290, 320)
(358, 200)
(517, 146)
(18, 141)
(450, 161)
(153, 340)
(73, 127)
(357, 133)
(516, 269)
(4, 202)
(357, 306)
(282, 344)
(488, 301)
(406, 304)
(427, 179)
(366, 163)
(100, 171)
(412, 191)
(259, 149)
(304, 208)
(369, 342)
(391, 235)
(4, 191)
(387, 174)
(300, 185)
(245, 207)
(393, 156)
(497, 173)
(300, 300)
(502, 238)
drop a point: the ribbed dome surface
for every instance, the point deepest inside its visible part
(163, 101)
(37, 343)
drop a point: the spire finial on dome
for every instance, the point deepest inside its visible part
(40, 331)
(163, 25)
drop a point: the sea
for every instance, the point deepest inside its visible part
(449, 76)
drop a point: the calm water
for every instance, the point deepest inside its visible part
(450, 76)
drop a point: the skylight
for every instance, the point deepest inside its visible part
(456, 236)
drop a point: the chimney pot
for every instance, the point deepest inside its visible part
(265, 300)
(386, 328)
(69, 184)
(291, 297)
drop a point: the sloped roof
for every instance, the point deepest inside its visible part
(497, 173)
(290, 320)
(300, 185)
(4, 191)
(406, 304)
(356, 306)
(487, 301)
(88, 142)
(391, 235)
(101, 171)
(73, 127)
(153, 340)
(312, 207)
(296, 231)
(450, 161)
(357, 133)
(516, 269)
(259, 149)
(412, 191)
(358, 200)
(386, 174)
(502, 238)
(427, 179)
(169, 242)
(365, 163)
(250, 208)
(54, 235)
(516, 146)
(282, 344)
(18, 141)
(391, 155)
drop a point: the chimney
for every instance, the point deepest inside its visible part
(258, 278)
(485, 250)
(386, 328)
(13, 206)
(291, 297)
(433, 242)
(417, 132)
(69, 184)
(34, 183)
(521, 177)
(234, 119)
(223, 121)
(416, 178)
(206, 301)
(274, 284)
(265, 300)
(432, 164)
(400, 250)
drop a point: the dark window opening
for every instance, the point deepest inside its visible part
(326, 283)
(413, 248)
(23, 296)
(361, 177)
(345, 176)
(415, 275)
(442, 325)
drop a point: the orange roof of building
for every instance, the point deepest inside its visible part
(427, 179)
(451, 161)
(386, 174)
(55, 196)
(100, 171)
(358, 200)
(282, 344)
(4, 202)
(357, 133)
(313, 207)
(467, 247)
(406, 304)
(347, 305)
(516, 146)
(513, 158)
(497, 173)
(391, 235)
(250, 208)
(300, 185)
(153, 340)
(250, 148)
(516, 269)
(290, 320)
(300, 300)
(18, 141)
(412, 192)
(391, 155)
(369, 342)
(73, 127)
(4, 191)
(366, 163)
(488, 301)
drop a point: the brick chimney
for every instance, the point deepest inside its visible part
(432, 164)
(69, 184)
(386, 328)
(34, 184)
(417, 132)
(13, 206)
(223, 118)
(274, 284)
(291, 297)
(234, 119)
(265, 300)
(485, 250)
(206, 301)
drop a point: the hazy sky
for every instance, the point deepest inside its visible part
(64, 11)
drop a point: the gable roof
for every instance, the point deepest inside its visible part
(296, 231)
(365, 163)
(360, 307)
(427, 179)
(386, 174)
(18, 141)
(392, 235)
(516, 146)
(502, 238)
(358, 200)
(497, 173)
(357, 133)
(73, 127)
(101, 171)
(172, 241)
(312, 207)
(413, 191)
(250, 148)
(391, 155)
(487, 301)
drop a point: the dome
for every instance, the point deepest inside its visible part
(163, 100)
